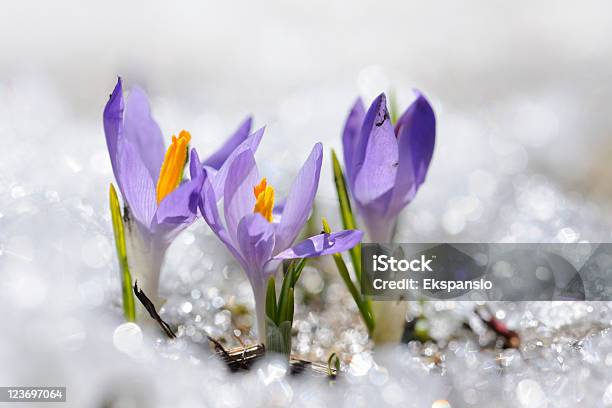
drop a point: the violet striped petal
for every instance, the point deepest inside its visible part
(323, 244)
(256, 243)
(217, 159)
(210, 213)
(113, 122)
(299, 201)
(416, 138)
(376, 169)
(137, 186)
(181, 205)
(350, 136)
(238, 197)
(143, 132)
(251, 143)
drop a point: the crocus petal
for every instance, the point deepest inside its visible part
(256, 242)
(376, 208)
(195, 168)
(350, 136)
(181, 205)
(113, 123)
(143, 132)
(137, 186)
(217, 159)
(238, 197)
(300, 199)
(210, 213)
(416, 133)
(380, 228)
(211, 174)
(419, 128)
(376, 169)
(323, 244)
(251, 143)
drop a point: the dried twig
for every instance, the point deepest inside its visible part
(146, 302)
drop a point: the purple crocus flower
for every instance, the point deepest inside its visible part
(260, 237)
(158, 203)
(386, 164)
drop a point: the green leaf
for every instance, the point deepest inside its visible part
(292, 275)
(297, 270)
(362, 304)
(129, 309)
(282, 297)
(280, 315)
(348, 220)
(285, 311)
(291, 308)
(278, 337)
(271, 299)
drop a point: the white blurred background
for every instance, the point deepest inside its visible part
(529, 79)
(522, 96)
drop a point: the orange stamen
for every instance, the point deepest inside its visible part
(264, 199)
(171, 171)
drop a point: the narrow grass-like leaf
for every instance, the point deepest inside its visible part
(362, 304)
(280, 322)
(278, 337)
(282, 297)
(292, 275)
(271, 300)
(290, 309)
(129, 309)
(286, 308)
(297, 271)
(348, 220)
